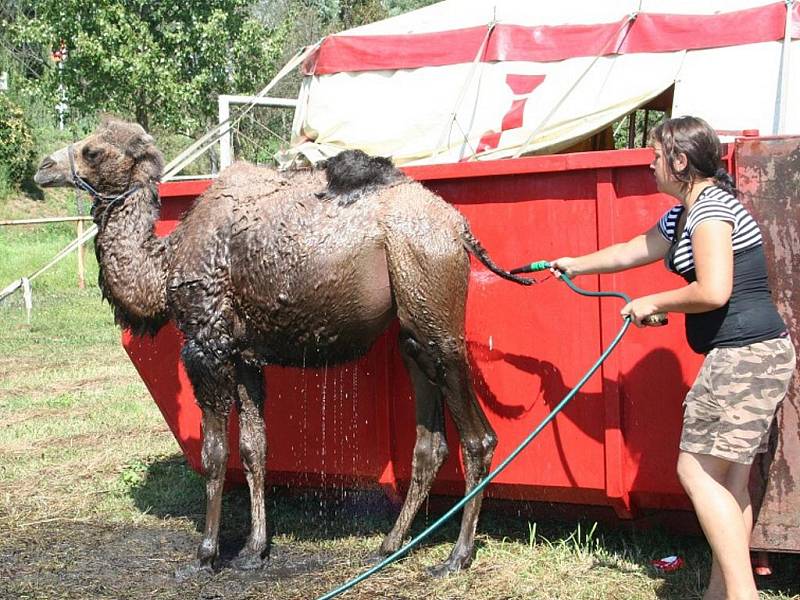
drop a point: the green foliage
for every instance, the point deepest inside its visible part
(17, 149)
(643, 122)
(397, 7)
(357, 12)
(161, 63)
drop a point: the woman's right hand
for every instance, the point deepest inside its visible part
(565, 264)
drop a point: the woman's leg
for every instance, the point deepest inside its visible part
(727, 416)
(736, 483)
(718, 491)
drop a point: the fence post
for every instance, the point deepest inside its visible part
(81, 269)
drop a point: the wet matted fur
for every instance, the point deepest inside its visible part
(265, 269)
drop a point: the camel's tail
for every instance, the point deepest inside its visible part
(474, 246)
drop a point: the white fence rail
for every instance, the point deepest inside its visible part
(82, 236)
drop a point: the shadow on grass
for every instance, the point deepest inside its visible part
(168, 488)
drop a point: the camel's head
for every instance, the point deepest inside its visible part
(111, 160)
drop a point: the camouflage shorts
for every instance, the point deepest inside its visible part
(730, 408)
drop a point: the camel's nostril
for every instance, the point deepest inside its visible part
(47, 163)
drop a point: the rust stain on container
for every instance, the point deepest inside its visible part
(768, 178)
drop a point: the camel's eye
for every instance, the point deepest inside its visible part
(91, 153)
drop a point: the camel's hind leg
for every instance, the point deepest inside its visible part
(253, 449)
(478, 442)
(430, 450)
(429, 281)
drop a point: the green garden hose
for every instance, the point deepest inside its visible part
(530, 268)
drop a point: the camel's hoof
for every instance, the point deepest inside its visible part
(247, 562)
(446, 568)
(194, 570)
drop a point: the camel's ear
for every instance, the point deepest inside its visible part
(140, 145)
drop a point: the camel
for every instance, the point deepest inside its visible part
(301, 268)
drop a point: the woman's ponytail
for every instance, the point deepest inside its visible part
(725, 181)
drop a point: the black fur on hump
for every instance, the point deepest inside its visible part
(353, 172)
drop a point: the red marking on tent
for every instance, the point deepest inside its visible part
(667, 33)
(519, 84)
(489, 141)
(549, 43)
(523, 84)
(513, 118)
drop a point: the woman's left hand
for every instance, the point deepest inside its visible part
(639, 309)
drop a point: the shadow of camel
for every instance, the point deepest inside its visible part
(170, 489)
(642, 390)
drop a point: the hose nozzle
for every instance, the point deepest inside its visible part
(532, 267)
(656, 320)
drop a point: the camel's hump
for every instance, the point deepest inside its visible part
(353, 170)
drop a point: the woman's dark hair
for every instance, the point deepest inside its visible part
(699, 142)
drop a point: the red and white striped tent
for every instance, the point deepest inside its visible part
(476, 80)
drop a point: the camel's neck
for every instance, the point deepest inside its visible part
(132, 261)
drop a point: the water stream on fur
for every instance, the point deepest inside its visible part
(323, 441)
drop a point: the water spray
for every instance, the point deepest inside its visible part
(542, 265)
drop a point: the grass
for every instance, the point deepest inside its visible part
(96, 500)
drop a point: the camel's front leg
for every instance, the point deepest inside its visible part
(215, 459)
(253, 449)
(214, 388)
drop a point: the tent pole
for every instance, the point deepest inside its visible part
(452, 116)
(646, 123)
(632, 129)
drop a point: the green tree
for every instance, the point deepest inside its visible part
(353, 13)
(162, 63)
(642, 121)
(396, 7)
(16, 144)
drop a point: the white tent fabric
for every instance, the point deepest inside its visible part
(476, 80)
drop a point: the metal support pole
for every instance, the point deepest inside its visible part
(225, 101)
(225, 158)
(780, 125)
(632, 130)
(646, 123)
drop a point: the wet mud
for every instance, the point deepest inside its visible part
(87, 560)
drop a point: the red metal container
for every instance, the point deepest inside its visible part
(616, 444)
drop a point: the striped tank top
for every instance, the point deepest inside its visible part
(715, 204)
(750, 315)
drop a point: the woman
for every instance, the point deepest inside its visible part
(715, 245)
